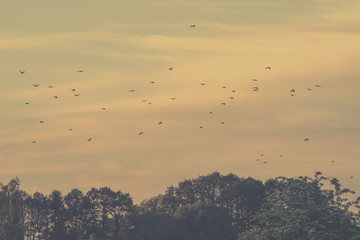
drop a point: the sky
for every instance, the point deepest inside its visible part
(123, 45)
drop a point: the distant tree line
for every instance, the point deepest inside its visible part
(211, 207)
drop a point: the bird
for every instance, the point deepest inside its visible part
(233, 91)
(170, 68)
(231, 97)
(255, 80)
(36, 85)
(76, 95)
(202, 84)
(27, 103)
(262, 155)
(192, 26)
(223, 86)
(255, 89)
(149, 103)
(33, 141)
(222, 123)
(160, 123)
(211, 112)
(173, 98)
(332, 161)
(145, 100)
(268, 68)
(201, 126)
(351, 176)
(306, 139)
(316, 85)
(280, 155)
(50, 86)
(73, 89)
(70, 129)
(152, 82)
(223, 103)
(89, 139)
(41, 121)
(103, 108)
(140, 133)
(132, 90)
(264, 162)
(309, 89)
(22, 71)
(55, 96)
(292, 90)
(257, 159)
(293, 95)
(80, 71)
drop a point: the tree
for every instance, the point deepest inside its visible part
(299, 209)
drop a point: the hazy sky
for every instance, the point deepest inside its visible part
(122, 45)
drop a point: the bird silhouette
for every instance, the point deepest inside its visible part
(103, 108)
(22, 72)
(170, 68)
(70, 129)
(202, 84)
(255, 89)
(306, 139)
(223, 86)
(160, 123)
(145, 100)
(27, 103)
(33, 141)
(201, 126)
(36, 85)
(231, 97)
(173, 98)
(233, 91)
(73, 89)
(89, 139)
(80, 71)
(223, 103)
(132, 90)
(309, 89)
(55, 96)
(222, 123)
(152, 82)
(293, 95)
(50, 86)
(76, 95)
(211, 112)
(41, 121)
(255, 80)
(332, 161)
(141, 133)
(268, 68)
(316, 85)
(192, 26)
(292, 90)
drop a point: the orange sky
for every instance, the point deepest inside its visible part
(124, 45)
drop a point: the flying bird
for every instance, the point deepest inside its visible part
(89, 139)
(70, 129)
(255, 80)
(41, 121)
(80, 71)
(332, 161)
(292, 90)
(316, 85)
(309, 89)
(211, 112)
(233, 91)
(192, 26)
(50, 86)
(231, 97)
(145, 100)
(201, 126)
(22, 72)
(223, 103)
(33, 142)
(262, 155)
(202, 84)
(222, 123)
(73, 89)
(160, 123)
(223, 86)
(268, 68)
(293, 95)
(140, 133)
(255, 89)
(76, 95)
(264, 162)
(55, 96)
(103, 108)
(173, 98)
(27, 103)
(152, 82)
(132, 90)
(36, 85)
(170, 68)
(306, 139)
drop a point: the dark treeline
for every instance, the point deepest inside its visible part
(211, 207)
